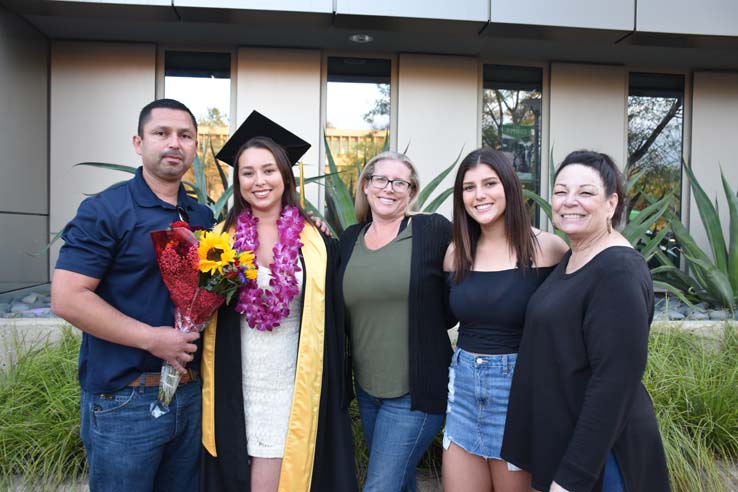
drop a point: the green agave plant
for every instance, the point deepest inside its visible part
(197, 190)
(340, 200)
(712, 279)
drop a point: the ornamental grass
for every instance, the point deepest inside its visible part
(39, 414)
(692, 379)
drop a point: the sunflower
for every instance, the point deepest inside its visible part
(246, 260)
(215, 252)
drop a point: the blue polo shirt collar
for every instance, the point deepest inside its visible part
(144, 197)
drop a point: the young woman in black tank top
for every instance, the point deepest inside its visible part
(495, 263)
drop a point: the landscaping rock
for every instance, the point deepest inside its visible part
(698, 316)
(30, 298)
(718, 315)
(676, 315)
(43, 312)
(19, 307)
(4, 307)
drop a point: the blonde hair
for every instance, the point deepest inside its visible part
(361, 204)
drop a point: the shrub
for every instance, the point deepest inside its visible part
(692, 380)
(39, 411)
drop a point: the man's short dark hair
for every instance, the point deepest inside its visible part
(145, 114)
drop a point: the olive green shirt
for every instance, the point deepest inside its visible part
(376, 291)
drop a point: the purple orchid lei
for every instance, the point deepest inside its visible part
(265, 308)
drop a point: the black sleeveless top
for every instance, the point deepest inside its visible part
(490, 307)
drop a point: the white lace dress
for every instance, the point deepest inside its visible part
(268, 362)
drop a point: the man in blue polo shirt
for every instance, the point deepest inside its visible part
(107, 283)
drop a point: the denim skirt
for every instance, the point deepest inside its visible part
(478, 391)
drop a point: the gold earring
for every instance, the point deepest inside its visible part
(609, 225)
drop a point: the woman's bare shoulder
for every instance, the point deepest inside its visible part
(551, 248)
(448, 260)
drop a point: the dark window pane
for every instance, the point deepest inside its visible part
(511, 119)
(201, 81)
(655, 134)
(197, 64)
(357, 116)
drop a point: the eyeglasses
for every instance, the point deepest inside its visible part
(381, 182)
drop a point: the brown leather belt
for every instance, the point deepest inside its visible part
(153, 378)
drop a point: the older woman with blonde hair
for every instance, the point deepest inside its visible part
(392, 286)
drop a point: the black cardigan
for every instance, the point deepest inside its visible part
(428, 315)
(577, 393)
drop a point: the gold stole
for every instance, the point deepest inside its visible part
(299, 451)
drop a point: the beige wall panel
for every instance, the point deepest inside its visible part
(714, 127)
(24, 122)
(709, 17)
(97, 91)
(437, 112)
(468, 10)
(594, 14)
(23, 234)
(588, 108)
(284, 85)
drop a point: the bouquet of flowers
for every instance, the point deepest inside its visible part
(201, 270)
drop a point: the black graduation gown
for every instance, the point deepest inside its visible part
(333, 465)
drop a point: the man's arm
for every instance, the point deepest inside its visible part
(73, 298)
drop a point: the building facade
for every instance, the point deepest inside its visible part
(576, 74)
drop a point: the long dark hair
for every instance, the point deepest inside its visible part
(519, 234)
(289, 197)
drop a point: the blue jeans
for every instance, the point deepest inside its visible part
(613, 480)
(127, 449)
(397, 438)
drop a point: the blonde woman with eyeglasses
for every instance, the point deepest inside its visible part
(393, 288)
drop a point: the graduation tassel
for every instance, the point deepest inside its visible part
(302, 186)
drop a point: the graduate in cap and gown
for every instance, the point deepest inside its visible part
(274, 414)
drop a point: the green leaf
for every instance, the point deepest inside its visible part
(710, 221)
(540, 201)
(632, 180)
(732, 234)
(717, 282)
(663, 285)
(114, 184)
(110, 167)
(428, 189)
(218, 206)
(338, 193)
(46, 248)
(218, 166)
(438, 201)
(198, 168)
(636, 229)
(317, 179)
(651, 246)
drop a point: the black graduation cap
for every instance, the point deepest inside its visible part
(258, 125)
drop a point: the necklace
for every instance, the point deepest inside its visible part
(265, 308)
